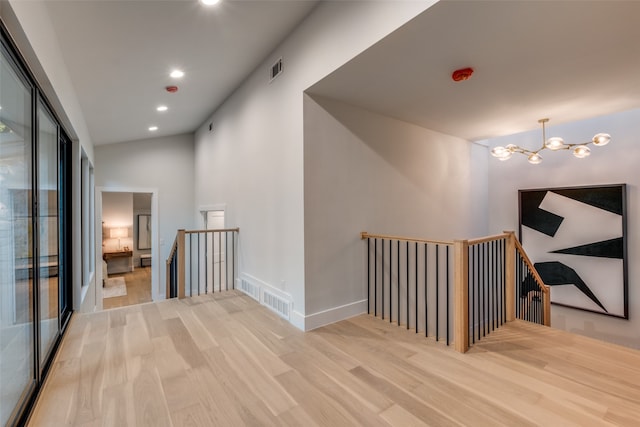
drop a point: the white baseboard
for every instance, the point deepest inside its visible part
(297, 320)
(331, 315)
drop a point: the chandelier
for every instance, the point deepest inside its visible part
(554, 144)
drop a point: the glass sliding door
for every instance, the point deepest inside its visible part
(35, 235)
(47, 225)
(17, 316)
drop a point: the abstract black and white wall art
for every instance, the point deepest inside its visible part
(576, 238)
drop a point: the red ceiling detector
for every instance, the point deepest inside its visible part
(172, 89)
(462, 74)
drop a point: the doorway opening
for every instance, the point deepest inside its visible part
(126, 249)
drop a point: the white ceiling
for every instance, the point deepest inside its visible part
(119, 55)
(566, 60)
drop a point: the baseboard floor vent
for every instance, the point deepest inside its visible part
(276, 303)
(250, 289)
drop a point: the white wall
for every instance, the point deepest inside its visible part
(30, 27)
(615, 163)
(164, 165)
(367, 172)
(252, 161)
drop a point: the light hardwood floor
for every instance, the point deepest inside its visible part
(224, 360)
(138, 289)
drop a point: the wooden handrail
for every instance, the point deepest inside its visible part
(221, 230)
(478, 241)
(544, 288)
(177, 249)
(173, 250)
(546, 291)
(365, 235)
(487, 239)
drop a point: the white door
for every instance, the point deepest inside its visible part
(216, 265)
(214, 220)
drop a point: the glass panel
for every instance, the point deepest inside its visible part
(16, 257)
(48, 230)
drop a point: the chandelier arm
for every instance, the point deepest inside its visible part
(528, 152)
(570, 146)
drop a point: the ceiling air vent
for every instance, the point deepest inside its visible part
(276, 70)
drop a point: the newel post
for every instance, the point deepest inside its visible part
(181, 264)
(510, 276)
(461, 298)
(547, 307)
(168, 277)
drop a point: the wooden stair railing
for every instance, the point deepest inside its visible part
(497, 284)
(542, 288)
(175, 267)
(494, 282)
(410, 281)
(194, 250)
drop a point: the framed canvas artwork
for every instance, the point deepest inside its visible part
(577, 239)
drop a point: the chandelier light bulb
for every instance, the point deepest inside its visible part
(555, 143)
(498, 151)
(601, 139)
(535, 158)
(502, 153)
(581, 151)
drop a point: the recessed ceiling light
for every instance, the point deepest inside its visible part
(153, 128)
(162, 108)
(176, 74)
(209, 2)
